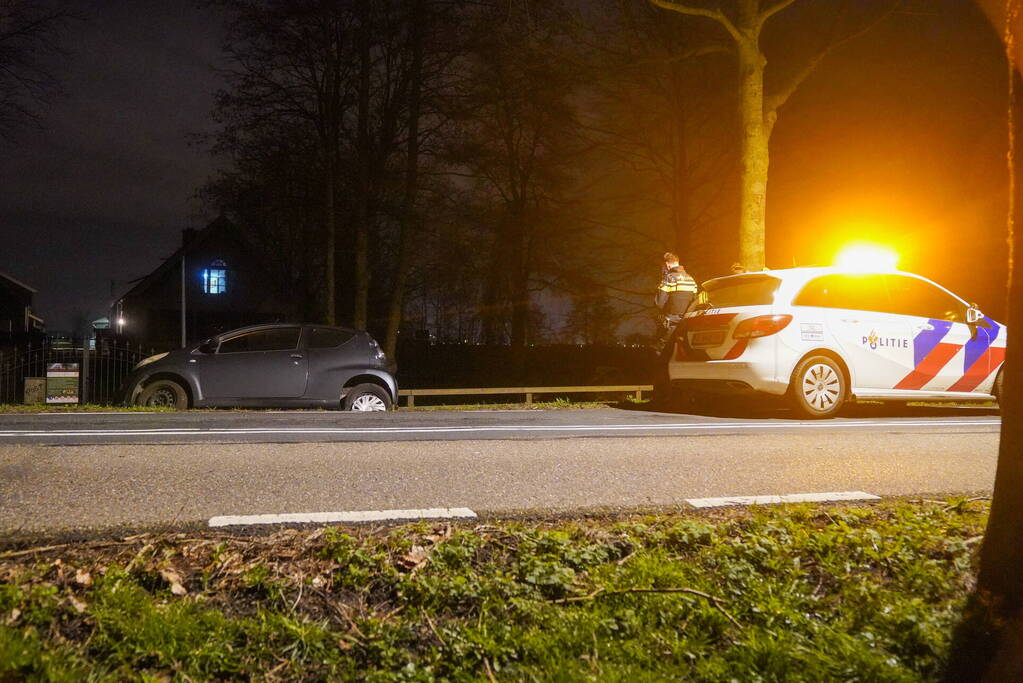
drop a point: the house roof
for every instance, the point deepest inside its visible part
(17, 282)
(221, 224)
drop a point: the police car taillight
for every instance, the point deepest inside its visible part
(761, 326)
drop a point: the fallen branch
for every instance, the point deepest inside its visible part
(490, 672)
(600, 592)
(624, 559)
(433, 628)
(964, 503)
(48, 548)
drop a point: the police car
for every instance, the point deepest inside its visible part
(822, 336)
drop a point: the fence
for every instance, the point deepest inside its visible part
(101, 370)
(635, 389)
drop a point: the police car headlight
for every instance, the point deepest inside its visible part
(151, 359)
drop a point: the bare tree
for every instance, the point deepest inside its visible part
(291, 71)
(515, 141)
(759, 109)
(29, 37)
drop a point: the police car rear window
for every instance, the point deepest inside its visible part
(745, 290)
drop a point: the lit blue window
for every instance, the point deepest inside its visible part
(214, 278)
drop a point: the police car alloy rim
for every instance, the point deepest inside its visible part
(821, 386)
(368, 403)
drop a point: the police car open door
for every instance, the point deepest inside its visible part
(948, 353)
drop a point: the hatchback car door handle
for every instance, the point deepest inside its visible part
(296, 355)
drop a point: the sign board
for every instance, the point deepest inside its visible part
(35, 390)
(62, 383)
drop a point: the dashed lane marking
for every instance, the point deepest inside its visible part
(833, 496)
(350, 516)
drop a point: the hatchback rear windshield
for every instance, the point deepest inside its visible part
(745, 290)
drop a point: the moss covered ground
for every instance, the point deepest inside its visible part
(788, 593)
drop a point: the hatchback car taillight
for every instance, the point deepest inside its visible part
(761, 326)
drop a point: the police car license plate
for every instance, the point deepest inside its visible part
(708, 338)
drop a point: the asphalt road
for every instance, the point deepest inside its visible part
(64, 471)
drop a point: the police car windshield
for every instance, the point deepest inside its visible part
(741, 290)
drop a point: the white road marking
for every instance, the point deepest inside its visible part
(686, 426)
(352, 516)
(832, 496)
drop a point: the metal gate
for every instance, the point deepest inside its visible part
(101, 370)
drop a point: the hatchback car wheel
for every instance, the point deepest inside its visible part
(367, 398)
(818, 387)
(164, 394)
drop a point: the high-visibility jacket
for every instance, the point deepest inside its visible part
(676, 291)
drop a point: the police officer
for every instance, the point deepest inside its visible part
(676, 291)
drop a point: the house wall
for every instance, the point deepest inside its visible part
(153, 315)
(13, 302)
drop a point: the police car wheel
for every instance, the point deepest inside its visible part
(366, 398)
(164, 394)
(818, 387)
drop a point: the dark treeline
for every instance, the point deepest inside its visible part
(499, 171)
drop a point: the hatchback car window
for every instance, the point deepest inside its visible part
(328, 338)
(912, 296)
(748, 290)
(277, 339)
(865, 292)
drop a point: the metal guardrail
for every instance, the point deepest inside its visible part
(637, 389)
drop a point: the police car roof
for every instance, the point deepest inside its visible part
(807, 273)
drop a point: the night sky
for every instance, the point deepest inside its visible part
(104, 190)
(899, 137)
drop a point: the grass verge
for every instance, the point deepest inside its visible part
(18, 409)
(556, 404)
(787, 593)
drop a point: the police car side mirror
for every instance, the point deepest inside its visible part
(973, 315)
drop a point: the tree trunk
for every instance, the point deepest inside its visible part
(680, 187)
(518, 262)
(408, 218)
(755, 135)
(331, 225)
(360, 318)
(988, 644)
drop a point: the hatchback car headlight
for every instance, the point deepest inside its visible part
(378, 353)
(151, 359)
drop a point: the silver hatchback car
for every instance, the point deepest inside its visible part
(269, 366)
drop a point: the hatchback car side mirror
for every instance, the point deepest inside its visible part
(973, 315)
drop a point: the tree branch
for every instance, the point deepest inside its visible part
(717, 15)
(774, 102)
(771, 11)
(714, 600)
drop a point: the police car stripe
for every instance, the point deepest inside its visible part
(929, 367)
(925, 341)
(980, 370)
(977, 347)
